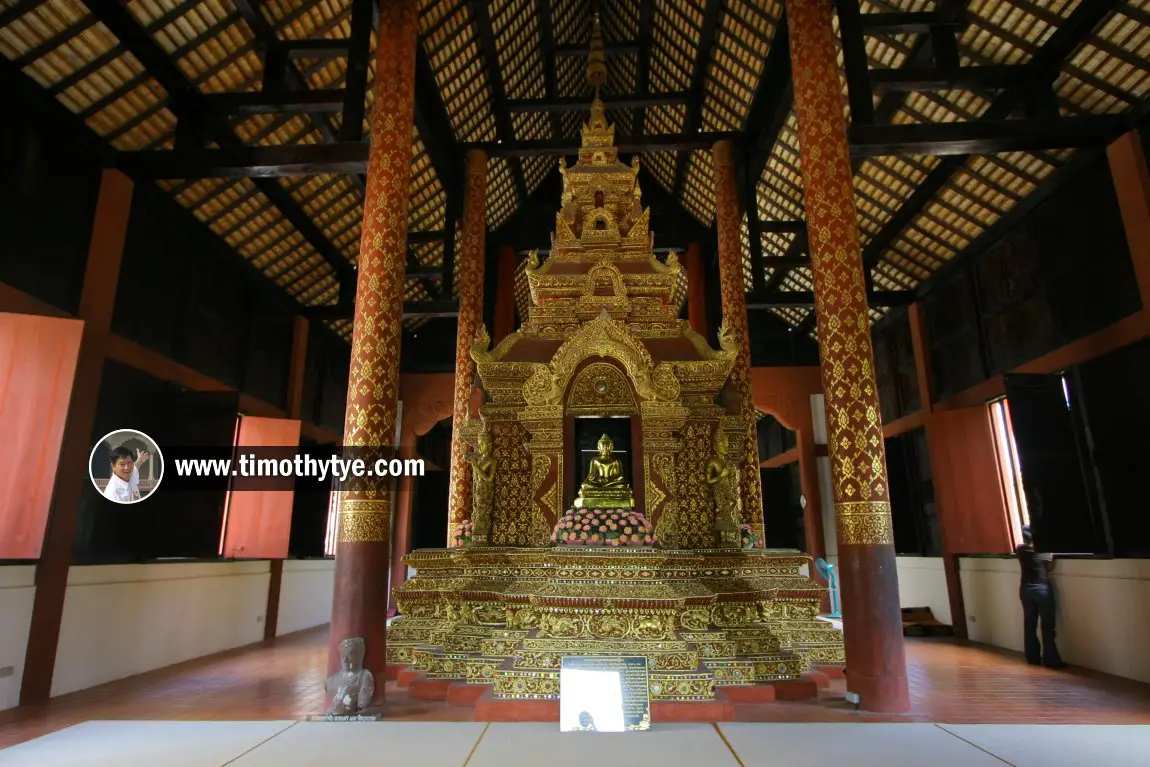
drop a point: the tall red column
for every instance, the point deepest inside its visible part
(505, 295)
(734, 300)
(359, 606)
(470, 318)
(402, 527)
(97, 303)
(872, 621)
(696, 290)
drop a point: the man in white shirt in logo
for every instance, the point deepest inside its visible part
(124, 484)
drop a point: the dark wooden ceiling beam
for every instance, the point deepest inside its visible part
(317, 48)
(504, 129)
(412, 310)
(778, 298)
(856, 63)
(246, 161)
(18, 10)
(909, 22)
(694, 119)
(609, 47)
(783, 227)
(283, 102)
(772, 101)
(547, 41)
(987, 137)
(277, 62)
(614, 101)
(643, 76)
(434, 125)
(358, 60)
(660, 142)
(1044, 65)
(990, 77)
(186, 100)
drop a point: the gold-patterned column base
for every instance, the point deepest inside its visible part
(364, 521)
(864, 523)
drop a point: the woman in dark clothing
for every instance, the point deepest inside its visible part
(1037, 603)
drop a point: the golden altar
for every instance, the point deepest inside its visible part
(602, 339)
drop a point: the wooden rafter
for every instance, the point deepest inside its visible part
(777, 298)
(1042, 67)
(503, 127)
(988, 136)
(613, 101)
(281, 73)
(660, 142)
(643, 76)
(412, 310)
(547, 41)
(694, 120)
(187, 100)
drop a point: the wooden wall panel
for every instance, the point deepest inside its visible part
(38, 358)
(258, 522)
(967, 482)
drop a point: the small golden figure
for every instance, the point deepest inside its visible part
(723, 476)
(605, 486)
(482, 490)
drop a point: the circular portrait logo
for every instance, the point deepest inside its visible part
(126, 466)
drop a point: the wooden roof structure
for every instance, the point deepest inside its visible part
(252, 115)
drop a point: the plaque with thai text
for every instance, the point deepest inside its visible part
(604, 693)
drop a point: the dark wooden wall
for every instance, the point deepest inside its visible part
(1061, 274)
(48, 186)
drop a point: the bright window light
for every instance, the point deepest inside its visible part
(332, 521)
(1009, 468)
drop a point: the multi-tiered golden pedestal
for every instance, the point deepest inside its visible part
(506, 617)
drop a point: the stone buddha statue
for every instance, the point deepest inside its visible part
(350, 689)
(605, 486)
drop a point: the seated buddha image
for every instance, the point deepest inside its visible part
(605, 486)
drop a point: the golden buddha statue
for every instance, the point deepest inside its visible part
(723, 477)
(605, 486)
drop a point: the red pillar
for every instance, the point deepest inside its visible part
(734, 302)
(918, 342)
(471, 258)
(505, 295)
(872, 620)
(359, 605)
(696, 290)
(402, 540)
(296, 369)
(97, 301)
(809, 480)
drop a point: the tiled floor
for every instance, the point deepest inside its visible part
(951, 683)
(474, 744)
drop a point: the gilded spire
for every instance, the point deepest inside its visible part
(596, 60)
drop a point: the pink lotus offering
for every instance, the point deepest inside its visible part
(604, 527)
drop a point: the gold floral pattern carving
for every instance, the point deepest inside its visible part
(855, 440)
